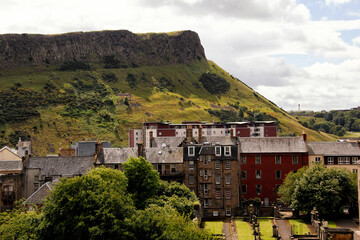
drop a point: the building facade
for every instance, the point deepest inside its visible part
(152, 130)
(265, 162)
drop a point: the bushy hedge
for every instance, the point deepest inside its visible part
(214, 84)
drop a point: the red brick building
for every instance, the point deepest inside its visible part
(264, 163)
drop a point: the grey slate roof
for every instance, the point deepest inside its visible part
(207, 150)
(168, 141)
(61, 166)
(39, 195)
(272, 145)
(164, 155)
(116, 155)
(13, 165)
(334, 148)
(222, 140)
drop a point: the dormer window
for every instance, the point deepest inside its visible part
(217, 151)
(227, 150)
(191, 151)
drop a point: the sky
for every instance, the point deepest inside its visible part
(292, 52)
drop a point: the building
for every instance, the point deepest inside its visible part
(264, 163)
(212, 172)
(11, 166)
(335, 154)
(40, 170)
(152, 130)
(88, 148)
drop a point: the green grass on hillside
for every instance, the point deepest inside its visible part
(158, 93)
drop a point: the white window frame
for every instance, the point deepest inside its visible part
(227, 179)
(227, 150)
(258, 176)
(354, 160)
(217, 164)
(191, 165)
(217, 179)
(227, 164)
(330, 160)
(191, 151)
(317, 159)
(243, 159)
(347, 160)
(277, 159)
(228, 211)
(340, 160)
(295, 159)
(217, 151)
(257, 159)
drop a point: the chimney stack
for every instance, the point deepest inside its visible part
(304, 135)
(98, 147)
(231, 133)
(189, 134)
(140, 150)
(151, 138)
(200, 133)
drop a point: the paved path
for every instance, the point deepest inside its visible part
(284, 228)
(229, 229)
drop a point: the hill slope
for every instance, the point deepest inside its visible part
(56, 104)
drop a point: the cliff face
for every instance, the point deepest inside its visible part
(18, 50)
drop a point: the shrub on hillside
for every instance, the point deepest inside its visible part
(72, 66)
(214, 84)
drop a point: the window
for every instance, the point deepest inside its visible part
(207, 202)
(191, 151)
(205, 188)
(347, 160)
(217, 151)
(227, 151)
(258, 188)
(191, 179)
(8, 195)
(215, 213)
(205, 160)
(330, 160)
(355, 171)
(36, 186)
(116, 166)
(295, 159)
(228, 194)
(277, 159)
(258, 160)
(317, 160)
(278, 174)
(340, 160)
(227, 179)
(227, 164)
(191, 165)
(243, 159)
(228, 211)
(217, 194)
(217, 164)
(354, 160)
(173, 168)
(217, 179)
(243, 174)
(243, 188)
(258, 174)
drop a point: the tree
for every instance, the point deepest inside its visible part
(326, 189)
(93, 206)
(143, 180)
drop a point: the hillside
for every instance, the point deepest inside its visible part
(58, 103)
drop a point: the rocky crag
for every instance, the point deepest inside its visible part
(120, 47)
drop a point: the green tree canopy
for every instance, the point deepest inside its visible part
(327, 189)
(143, 180)
(93, 206)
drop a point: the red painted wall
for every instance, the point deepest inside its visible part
(268, 168)
(270, 131)
(166, 132)
(131, 138)
(244, 132)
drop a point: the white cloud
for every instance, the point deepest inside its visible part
(336, 2)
